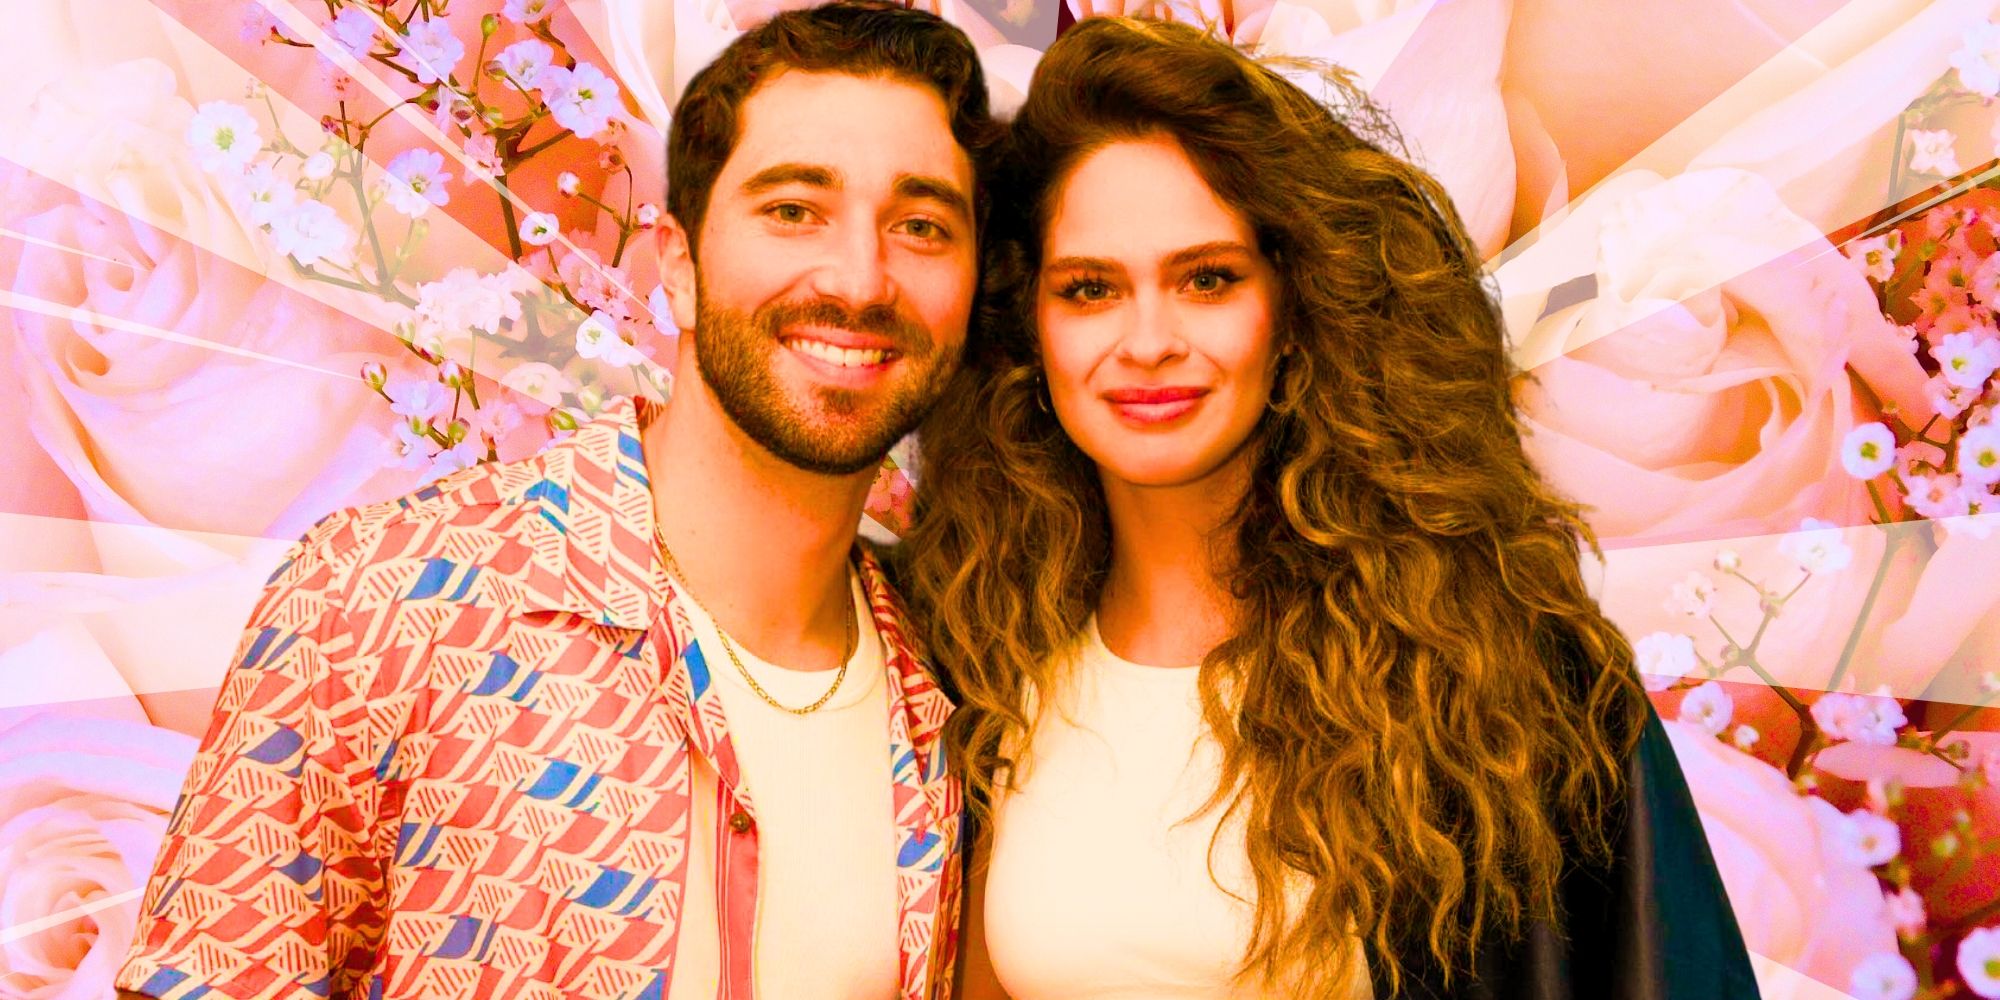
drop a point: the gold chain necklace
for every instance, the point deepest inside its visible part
(853, 638)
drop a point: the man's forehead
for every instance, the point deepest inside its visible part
(865, 130)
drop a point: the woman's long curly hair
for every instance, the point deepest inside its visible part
(1421, 711)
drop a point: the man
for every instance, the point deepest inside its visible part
(633, 718)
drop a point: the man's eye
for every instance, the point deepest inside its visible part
(790, 213)
(924, 229)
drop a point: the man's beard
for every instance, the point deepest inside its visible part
(838, 432)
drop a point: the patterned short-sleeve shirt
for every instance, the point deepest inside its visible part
(452, 759)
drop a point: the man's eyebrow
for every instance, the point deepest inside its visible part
(936, 189)
(808, 174)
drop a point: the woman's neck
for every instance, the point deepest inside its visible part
(1165, 602)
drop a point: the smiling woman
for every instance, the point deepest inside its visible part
(1278, 672)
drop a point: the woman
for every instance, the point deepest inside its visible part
(1276, 669)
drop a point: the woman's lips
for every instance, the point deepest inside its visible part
(1148, 406)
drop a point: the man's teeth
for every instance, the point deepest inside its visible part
(846, 357)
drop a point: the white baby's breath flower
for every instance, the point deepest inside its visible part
(1876, 255)
(1979, 456)
(1979, 961)
(1967, 359)
(354, 30)
(1694, 596)
(1871, 719)
(1978, 60)
(1708, 707)
(1817, 547)
(1863, 838)
(1868, 450)
(431, 50)
(1663, 658)
(524, 61)
(465, 300)
(463, 455)
(598, 338)
(224, 137)
(524, 11)
(264, 194)
(416, 181)
(543, 383)
(416, 398)
(1935, 497)
(410, 447)
(1887, 976)
(581, 99)
(539, 229)
(1727, 561)
(310, 232)
(566, 183)
(496, 420)
(1745, 737)
(317, 167)
(1931, 152)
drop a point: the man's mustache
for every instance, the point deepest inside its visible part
(879, 320)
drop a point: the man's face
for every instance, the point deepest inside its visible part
(837, 267)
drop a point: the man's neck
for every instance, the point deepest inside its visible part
(760, 543)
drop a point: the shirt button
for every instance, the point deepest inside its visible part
(739, 821)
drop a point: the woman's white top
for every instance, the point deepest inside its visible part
(1099, 884)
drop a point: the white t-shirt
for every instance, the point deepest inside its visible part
(1099, 883)
(821, 787)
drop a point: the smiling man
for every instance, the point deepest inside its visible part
(635, 717)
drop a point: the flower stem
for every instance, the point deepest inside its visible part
(1889, 545)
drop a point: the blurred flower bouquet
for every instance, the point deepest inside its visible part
(1903, 789)
(481, 104)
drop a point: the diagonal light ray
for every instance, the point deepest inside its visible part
(57, 919)
(64, 247)
(29, 303)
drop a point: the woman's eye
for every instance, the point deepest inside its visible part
(1212, 281)
(1086, 290)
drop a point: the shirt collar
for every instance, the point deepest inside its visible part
(586, 518)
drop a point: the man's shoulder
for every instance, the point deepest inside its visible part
(490, 520)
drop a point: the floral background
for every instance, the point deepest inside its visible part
(262, 260)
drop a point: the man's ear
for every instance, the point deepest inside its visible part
(677, 271)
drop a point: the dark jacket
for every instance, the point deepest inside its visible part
(1653, 925)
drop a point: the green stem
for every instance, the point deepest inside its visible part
(544, 144)
(1881, 509)
(1889, 545)
(382, 275)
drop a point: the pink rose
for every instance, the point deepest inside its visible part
(1701, 390)
(1804, 94)
(1797, 901)
(171, 384)
(83, 808)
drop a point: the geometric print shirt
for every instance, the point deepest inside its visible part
(452, 758)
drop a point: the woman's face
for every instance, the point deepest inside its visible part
(1154, 311)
